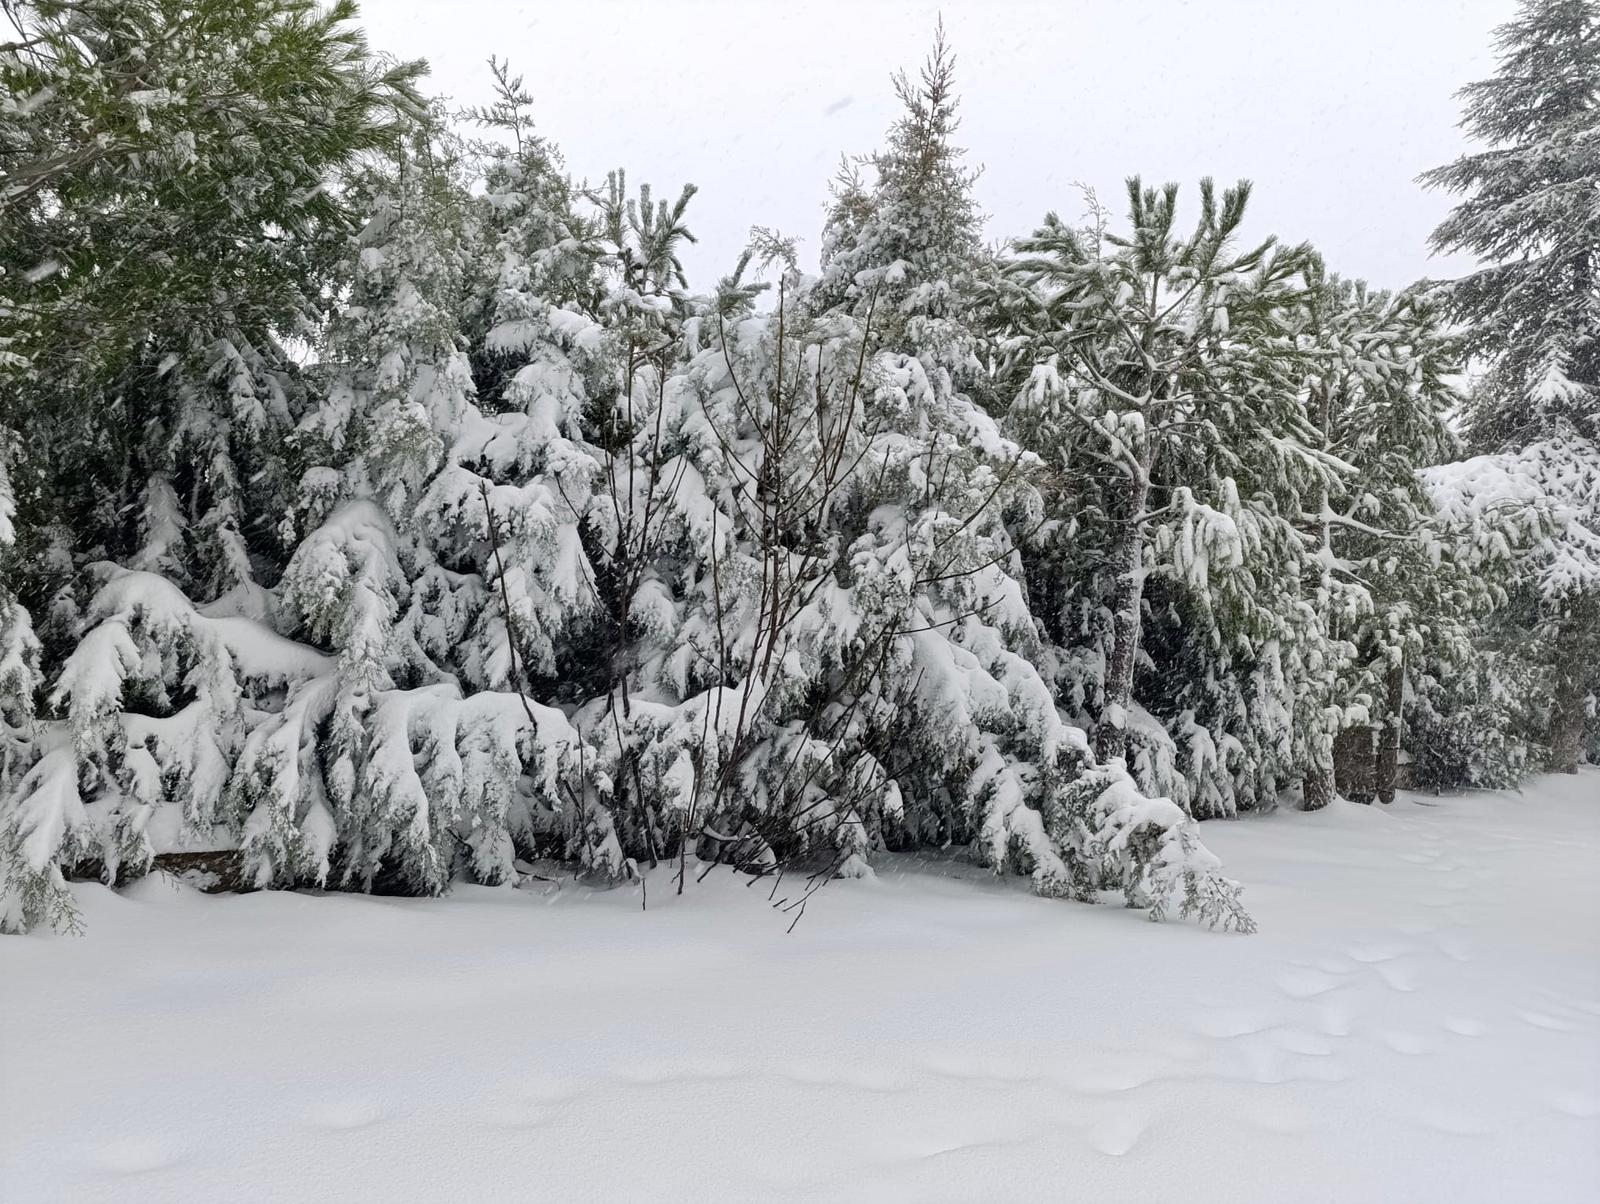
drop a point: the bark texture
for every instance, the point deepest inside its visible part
(1353, 768)
(1576, 652)
(1111, 733)
(1388, 766)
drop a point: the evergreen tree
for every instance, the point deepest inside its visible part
(543, 556)
(957, 718)
(1531, 212)
(22, 895)
(1380, 394)
(1161, 373)
(1529, 522)
(164, 233)
(903, 237)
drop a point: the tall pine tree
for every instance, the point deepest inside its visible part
(1531, 212)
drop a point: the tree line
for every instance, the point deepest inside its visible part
(381, 506)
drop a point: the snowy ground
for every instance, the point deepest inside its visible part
(1418, 1020)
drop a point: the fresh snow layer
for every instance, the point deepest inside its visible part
(1418, 1019)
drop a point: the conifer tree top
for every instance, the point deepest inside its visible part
(916, 221)
(1531, 212)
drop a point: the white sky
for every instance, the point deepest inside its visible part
(1331, 107)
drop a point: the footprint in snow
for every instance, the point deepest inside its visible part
(1334, 1020)
(134, 1156)
(1455, 1121)
(1180, 1047)
(1372, 955)
(883, 1081)
(1117, 1134)
(1541, 1020)
(1307, 984)
(532, 1103)
(546, 1091)
(1575, 1103)
(672, 1072)
(1226, 1025)
(1396, 978)
(1569, 1003)
(1455, 948)
(1297, 1041)
(1335, 964)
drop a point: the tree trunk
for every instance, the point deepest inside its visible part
(1111, 733)
(1577, 647)
(1389, 734)
(1353, 768)
(1318, 785)
(1567, 719)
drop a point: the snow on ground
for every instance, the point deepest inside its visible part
(1418, 1020)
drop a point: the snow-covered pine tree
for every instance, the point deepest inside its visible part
(641, 299)
(449, 570)
(1380, 394)
(585, 323)
(1530, 213)
(141, 169)
(852, 662)
(505, 554)
(23, 894)
(1158, 376)
(1529, 522)
(325, 614)
(903, 236)
(164, 233)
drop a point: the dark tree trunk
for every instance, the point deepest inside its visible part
(1319, 785)
(1111, 733)
(1566, 720)
(1389, 734)
(1353, 768)
(1577, 649)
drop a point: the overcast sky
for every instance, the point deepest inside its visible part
(1332, 107)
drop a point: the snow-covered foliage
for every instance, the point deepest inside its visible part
(837, 650)
(1529, 211)
(30, 885)
(1528, 520)
(407, 518)
(1537, 506)
(1159, 378)
(1379, 392)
